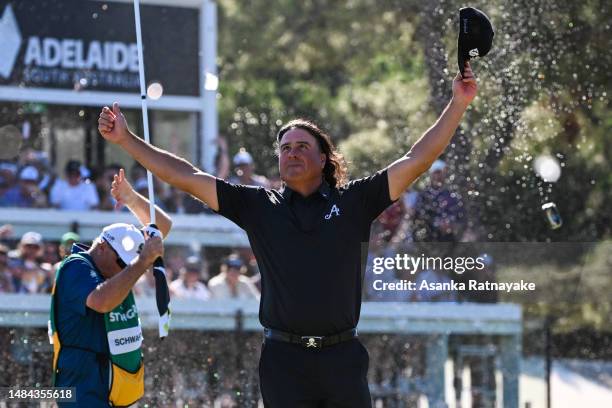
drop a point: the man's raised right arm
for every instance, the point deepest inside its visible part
(173, 170)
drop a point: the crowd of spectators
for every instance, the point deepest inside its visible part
(35, 185)
(31, 182)
(30, 267)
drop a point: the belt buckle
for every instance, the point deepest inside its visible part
(312, 341)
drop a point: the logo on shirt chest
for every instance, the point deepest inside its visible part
(333, 211)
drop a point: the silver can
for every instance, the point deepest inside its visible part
(552, 215)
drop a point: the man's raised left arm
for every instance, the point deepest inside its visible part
(403, 172)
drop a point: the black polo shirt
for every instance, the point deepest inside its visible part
(308, 249)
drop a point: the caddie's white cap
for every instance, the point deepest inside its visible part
(126, 239)
(437, 166)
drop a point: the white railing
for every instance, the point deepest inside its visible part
(376, 317)
(204, 229)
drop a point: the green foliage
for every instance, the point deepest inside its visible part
(367, 150)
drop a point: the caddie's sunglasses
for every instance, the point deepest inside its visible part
(119, 260)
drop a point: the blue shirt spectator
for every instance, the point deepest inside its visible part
(25, 194)
(438, 212)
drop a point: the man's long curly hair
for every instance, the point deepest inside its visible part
(335, 171)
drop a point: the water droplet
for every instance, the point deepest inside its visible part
(155, 91)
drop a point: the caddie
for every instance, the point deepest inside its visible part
(94, 324)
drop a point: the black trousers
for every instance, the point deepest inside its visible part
(292, 376)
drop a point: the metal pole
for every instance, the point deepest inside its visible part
(143, 100)
(208, 85)
(162, 294)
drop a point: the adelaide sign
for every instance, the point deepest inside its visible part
(76, 44)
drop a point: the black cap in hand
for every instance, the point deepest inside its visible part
(475, 35)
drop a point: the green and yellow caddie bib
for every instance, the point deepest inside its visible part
(124, 335)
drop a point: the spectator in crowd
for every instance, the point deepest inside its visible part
(25, 194)
(141, 186)
(252, 271)
(174, 201)
(5, 186)
(6, 231)
(103, 180)
(438, 211)
(50, 253)
(222, 162)
(188, 285)
(231, 282)
(244, 171)
(174, 259)
(178, 202)
(74, 193)
(40, 160)
(48, 259)
(225, 400)
(391, 219)
(65, 248)
(8, 170)
(6, 279)
(275, 182)
(145, 286)
(28, 276)
(68, 239)
(137, 172)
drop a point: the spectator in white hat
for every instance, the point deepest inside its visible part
(24, 265)
(244, 171)
(25, 194)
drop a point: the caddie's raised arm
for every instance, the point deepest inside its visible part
(123, 192)
(403, 172)
(173, 170)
